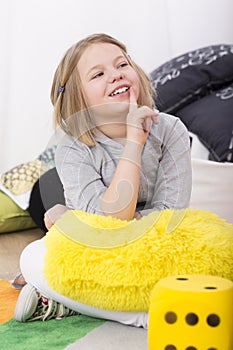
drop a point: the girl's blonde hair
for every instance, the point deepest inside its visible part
(70, 109)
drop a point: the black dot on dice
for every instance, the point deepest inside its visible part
(182, 279)
(213, 320)
(170, 317)
(210, 287)
(191, 348)
(191, 319)
(170, 347)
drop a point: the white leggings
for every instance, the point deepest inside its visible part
(32, 265)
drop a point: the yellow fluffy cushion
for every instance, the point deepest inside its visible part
(122, 278)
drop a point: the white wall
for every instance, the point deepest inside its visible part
(198, 23)
(36, 33)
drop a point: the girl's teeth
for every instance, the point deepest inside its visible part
(119, 91)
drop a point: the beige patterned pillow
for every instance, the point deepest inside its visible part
(17, 182)
(22, 178)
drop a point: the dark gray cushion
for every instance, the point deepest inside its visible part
(211, 119)
(198, 88)
(192, 75)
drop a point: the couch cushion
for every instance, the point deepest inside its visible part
(212, 188)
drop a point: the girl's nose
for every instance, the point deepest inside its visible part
(115, 75)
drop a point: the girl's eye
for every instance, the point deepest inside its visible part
(123, 64)
(97, 75)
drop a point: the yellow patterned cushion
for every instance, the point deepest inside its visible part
(122, 277)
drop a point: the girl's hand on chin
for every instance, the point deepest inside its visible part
(139, 120)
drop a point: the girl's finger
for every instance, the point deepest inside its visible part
(132, 101)
(148, 124)
(155, 119)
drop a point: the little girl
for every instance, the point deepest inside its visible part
(119, 156)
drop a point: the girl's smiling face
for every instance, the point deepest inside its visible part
(107, 77)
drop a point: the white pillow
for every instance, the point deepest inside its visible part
(198, 150)
(212, 187)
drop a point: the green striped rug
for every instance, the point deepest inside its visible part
(52, 334)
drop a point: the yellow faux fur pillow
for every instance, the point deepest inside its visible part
(122, 276)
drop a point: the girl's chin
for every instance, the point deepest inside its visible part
(110, 110)
(119, 107)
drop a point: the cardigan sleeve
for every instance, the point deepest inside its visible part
(81, 178)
